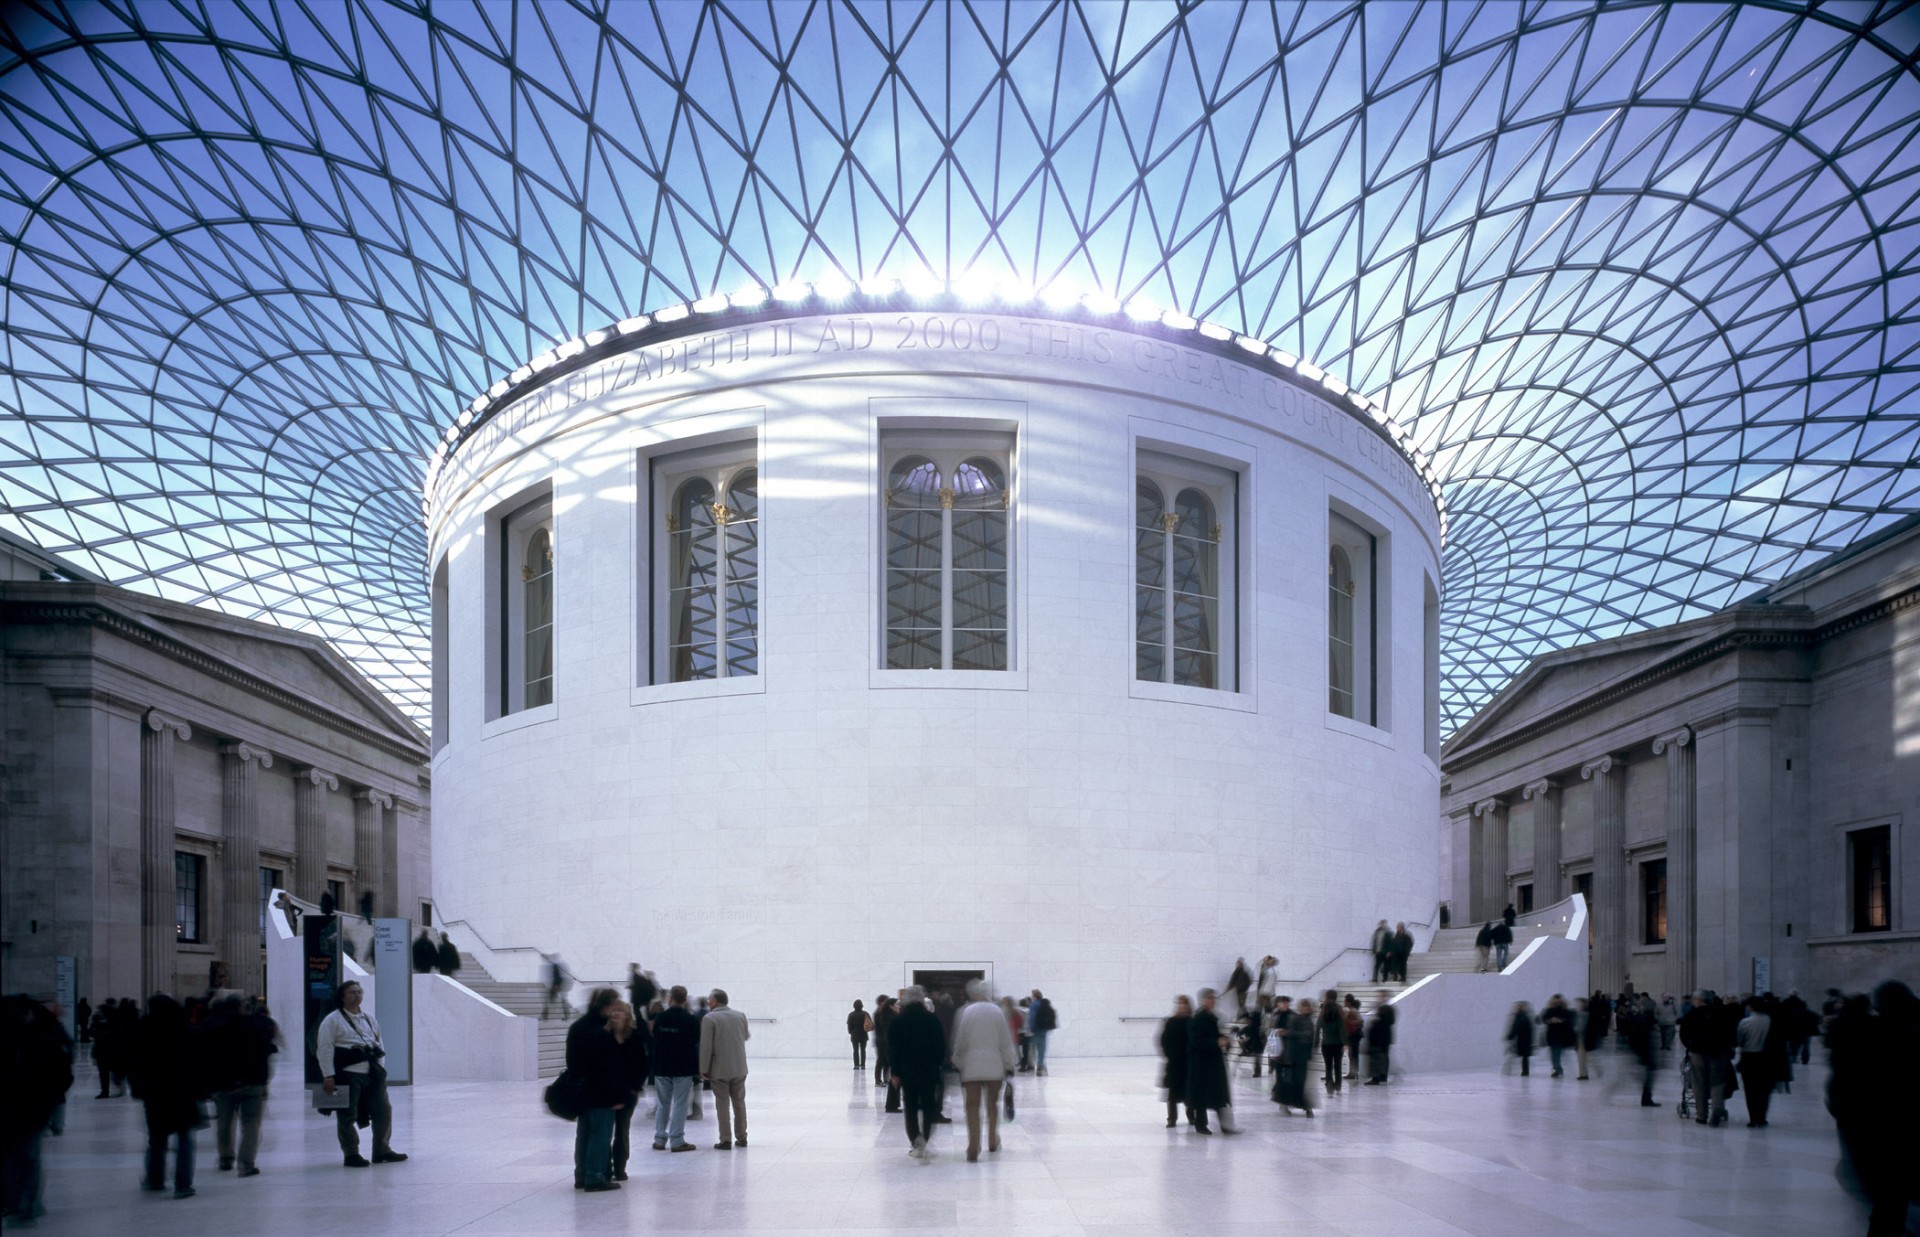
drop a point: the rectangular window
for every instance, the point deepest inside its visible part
(947, 541)
(1870, 867)
(707, 564)
(526, 606)
(189, 896)
(1523, 898)
(1430, 638)
(269, 881)
(1583, 885)
(337, 891)
(1653, 902)
(1352, 620)
(1184, 606)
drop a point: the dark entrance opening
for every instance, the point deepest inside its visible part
(952, 983)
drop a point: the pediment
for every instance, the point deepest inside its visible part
(303, 665)
(1552, 682)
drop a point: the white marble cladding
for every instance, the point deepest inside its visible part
(797, 842)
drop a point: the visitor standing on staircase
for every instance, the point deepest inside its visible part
(1502, 942)
(1381, 947)
(1399, 950)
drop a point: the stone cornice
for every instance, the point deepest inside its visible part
(104, 616)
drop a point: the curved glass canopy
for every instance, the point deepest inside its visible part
(1640, 278)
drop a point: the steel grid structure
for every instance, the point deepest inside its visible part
(1639, 278)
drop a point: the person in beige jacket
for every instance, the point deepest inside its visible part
(982, 1051)
(723, 1062)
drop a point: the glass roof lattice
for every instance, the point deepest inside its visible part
(1642, 280)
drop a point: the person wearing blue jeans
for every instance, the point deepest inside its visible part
(676, 1061)
(593, 1058)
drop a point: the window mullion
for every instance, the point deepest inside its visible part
(946, 580)
(1166, 601)
(720, 578)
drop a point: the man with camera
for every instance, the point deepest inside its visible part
(349, 1051)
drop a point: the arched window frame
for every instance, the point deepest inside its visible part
(527, 570)
(733, 651)
(1355, 694)
(1158, 647)
(968, 647)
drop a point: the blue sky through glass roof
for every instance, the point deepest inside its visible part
(1643, 279)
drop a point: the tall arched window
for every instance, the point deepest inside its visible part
(1353, 620)
(710, 585)
(536, 575)
(1183, 612)
(947, 543)
(524, 644)
(1340, 590)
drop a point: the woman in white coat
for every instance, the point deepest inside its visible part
(982, 1050)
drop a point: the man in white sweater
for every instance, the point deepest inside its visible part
(982, 1051)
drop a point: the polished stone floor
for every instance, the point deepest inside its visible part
(1088, 1154)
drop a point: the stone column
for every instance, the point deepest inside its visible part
(387, 899)
(369, 846)
(1606, 927)
(1492, 814)
(1682, 856)
(310, 787)
(240, 866)
(1547, 888)
(158, 932)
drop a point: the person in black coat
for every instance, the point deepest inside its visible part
(36, 1068)
(447, 957)
(1380, 1041)
(858, 1025)
(1557, 1021)
(1520, 1036)
(1399, 950)
(1639, 1028)
(238, 1046)
(1207, 1068)
(916, 1051)
(884, 1009)
(168, 1072)
(633, 1059)
(1173, 1049)
(1502, 942)
(593, 1059)
(424, 953)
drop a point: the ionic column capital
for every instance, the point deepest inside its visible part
(1538, 788)
(1489, 805)
(1674, 739)
(319, 777)
(1599, 765)
(377, 798)
(246, 753)
(161, 723)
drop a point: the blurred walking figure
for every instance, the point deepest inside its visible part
(1381, 945)
(1207, 1068)
(556, 993)
(1708, 1039)
(1502, 942)
(858, 1025)
(1380, 1040)
(917, 1048)
(1483, 948)
(35, 1072)
(1267, 984)
(1638, 1028)
(1356, 1033)
(447, 957)
(1333, 1039)
(1556, 1020)
(1041, 1021)
(1520, 1037)
(167, 1072)
(982, 1051)
(1173, 1051)
(1302, 1029)
(1238, 983)
(1872, 1093)
(1762, 1058)
(239, 1045)
(884, 1010)
(425, 954)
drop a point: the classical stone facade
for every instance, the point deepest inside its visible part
(162, 763)
(1732, 793)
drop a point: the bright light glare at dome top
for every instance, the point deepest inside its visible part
(1633, 277)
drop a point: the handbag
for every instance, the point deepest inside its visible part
(1008, 1092)
(566, 1096)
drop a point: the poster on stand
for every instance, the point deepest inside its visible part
(393, 983)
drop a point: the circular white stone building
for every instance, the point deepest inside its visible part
(795, 650)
